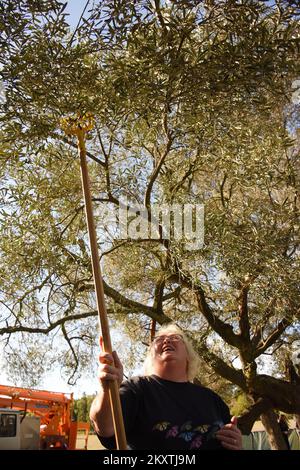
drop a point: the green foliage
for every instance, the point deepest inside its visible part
(240, 404)
(81, 408)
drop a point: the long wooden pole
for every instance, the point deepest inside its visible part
(113, 385)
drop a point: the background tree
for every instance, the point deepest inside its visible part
(82, 407)
(193, 105)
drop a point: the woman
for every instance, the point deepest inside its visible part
(164, 409)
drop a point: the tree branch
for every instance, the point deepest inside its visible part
(129, 304)
(135, 306)
(64, 332)
(33, 289)
(106, 165)
(52, 326)
(244, 317)
(155, 173)
(176, 186)
(224, 330)
(158, 295)
(263, 345)
(159, 14)
(248, 418)
(72, 144)
(283, 395)
(222, 190)
(171, 295)
(220, 367)
(269, 311)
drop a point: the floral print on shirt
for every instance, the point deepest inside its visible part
(195, 435)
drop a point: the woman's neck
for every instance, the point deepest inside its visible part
(168, 373)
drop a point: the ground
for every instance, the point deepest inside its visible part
(93, 442)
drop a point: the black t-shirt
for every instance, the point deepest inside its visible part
(161, 414)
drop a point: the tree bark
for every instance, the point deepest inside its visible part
(248, 418)
(283, 395)
(275, 437)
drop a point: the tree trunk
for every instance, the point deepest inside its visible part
(275, 437)
(249, 416)
(283, 395)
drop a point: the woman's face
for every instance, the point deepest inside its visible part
(170, 348)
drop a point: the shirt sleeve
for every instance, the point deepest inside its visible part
(224, 410)
(130, 402)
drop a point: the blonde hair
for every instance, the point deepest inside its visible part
(192, 357)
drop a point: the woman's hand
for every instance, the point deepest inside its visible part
(230, 435)
(110, 367)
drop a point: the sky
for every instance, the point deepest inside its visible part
(75, 8)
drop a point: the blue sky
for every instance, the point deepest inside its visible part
(75, 8)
